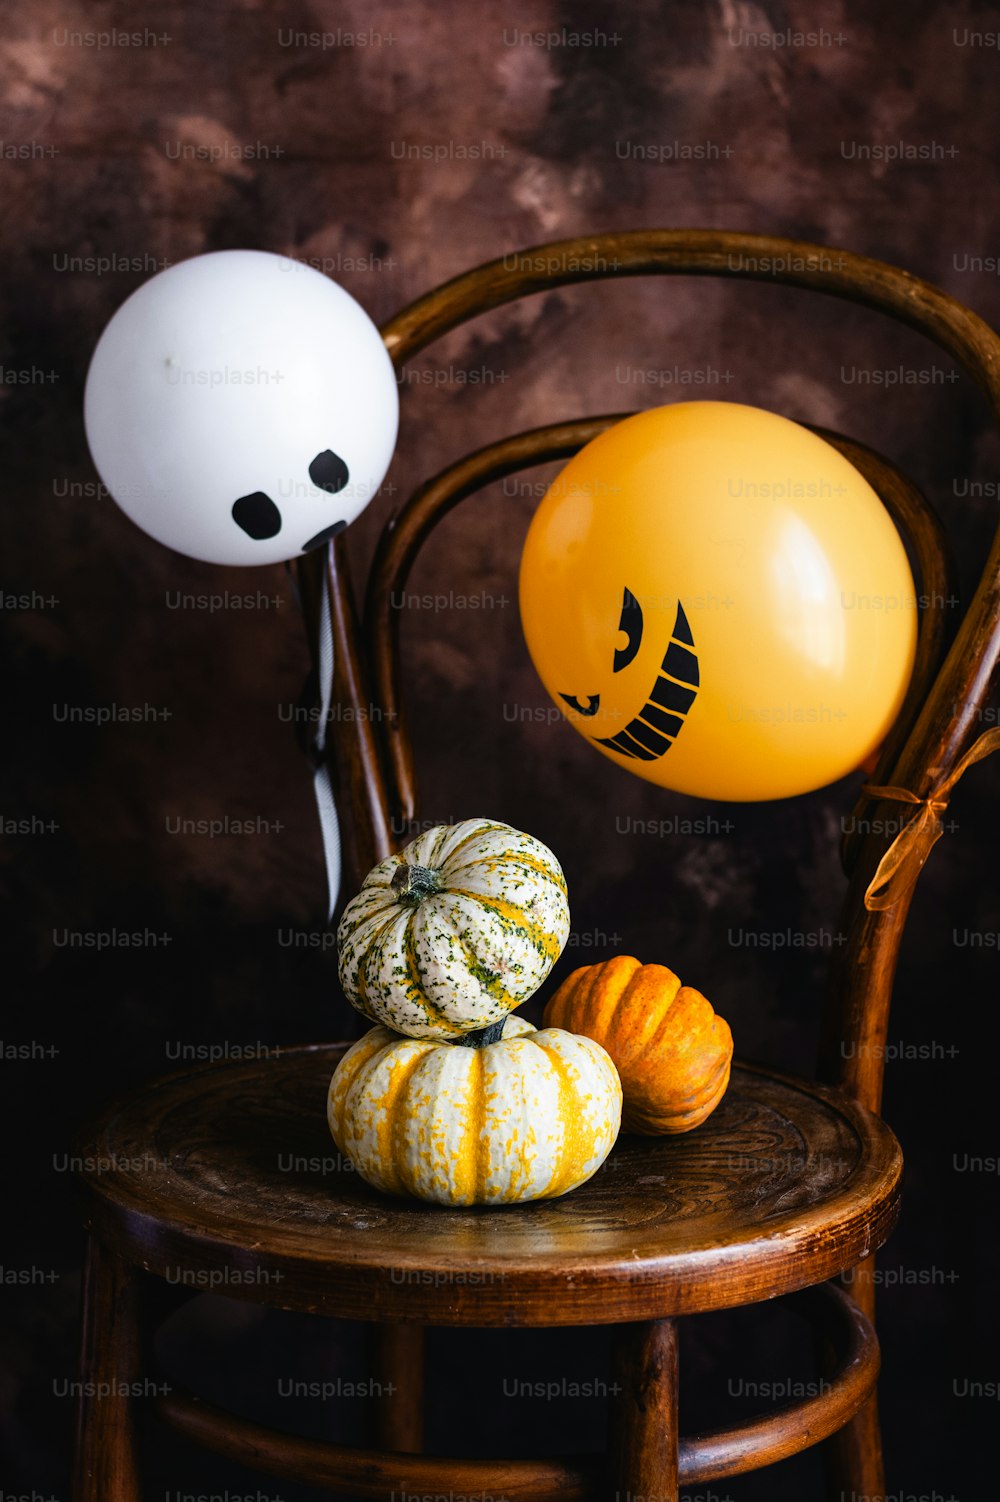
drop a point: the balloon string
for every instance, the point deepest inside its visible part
(903, 861)
(326, 804)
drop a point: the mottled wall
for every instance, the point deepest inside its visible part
(303, 150)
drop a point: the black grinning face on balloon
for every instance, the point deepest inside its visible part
(660, 720)
(258, 516)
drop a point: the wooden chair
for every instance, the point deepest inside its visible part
(788, 1186)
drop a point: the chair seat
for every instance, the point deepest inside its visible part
(225, 1178)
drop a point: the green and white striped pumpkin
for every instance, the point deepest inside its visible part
(450, 934)
(530, 1116)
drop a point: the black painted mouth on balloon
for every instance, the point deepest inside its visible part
(322, 537)
(654, 729)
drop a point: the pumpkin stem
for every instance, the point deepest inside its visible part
(411, 884)
(483, 1036)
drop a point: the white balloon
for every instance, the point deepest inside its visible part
(240, 407)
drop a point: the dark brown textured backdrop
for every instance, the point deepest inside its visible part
(445, 135)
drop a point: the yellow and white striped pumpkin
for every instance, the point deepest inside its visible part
(452, 933)
(529, 1117)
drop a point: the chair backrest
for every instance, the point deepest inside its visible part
(954, 673)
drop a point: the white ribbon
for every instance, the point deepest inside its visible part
(322, 786)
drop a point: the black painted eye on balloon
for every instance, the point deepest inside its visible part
(629, 627)
(329, 471)
(257, 516)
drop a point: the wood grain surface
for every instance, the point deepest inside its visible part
(230, 1170)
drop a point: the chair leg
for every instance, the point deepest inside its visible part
(644, 1426)
(398, 1363)
(855, 1470)
(855, 1458)
(106, 1466)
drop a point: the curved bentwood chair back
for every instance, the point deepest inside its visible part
(954, 671)
(928, 748)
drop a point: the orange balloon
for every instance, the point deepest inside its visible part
(720, 603)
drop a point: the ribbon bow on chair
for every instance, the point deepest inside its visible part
(903, 861)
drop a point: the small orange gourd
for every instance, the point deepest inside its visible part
(672, 1051)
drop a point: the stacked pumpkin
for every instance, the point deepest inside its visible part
(451, 1098)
